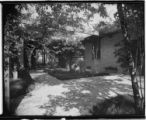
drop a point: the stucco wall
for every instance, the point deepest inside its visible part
(88, 54)
(107, 51)
(108, 58)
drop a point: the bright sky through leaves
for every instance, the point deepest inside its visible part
(88, 26)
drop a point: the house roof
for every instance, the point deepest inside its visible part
(108, 34)
(93, 38)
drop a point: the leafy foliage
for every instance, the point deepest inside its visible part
(65, 50)
(130, 17)
(32, 26)
(12, 40)
(135, 27)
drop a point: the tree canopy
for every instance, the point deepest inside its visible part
(34, 25)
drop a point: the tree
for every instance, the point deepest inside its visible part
(65, 51)
(11, 39)
(12, 45)
(131, 53)
(53, 19)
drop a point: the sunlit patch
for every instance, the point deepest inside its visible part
(122, 92)
(99, 97)
(35, 75)
(112, 94)
(30, 107)
(86, 92)
(77, 97)
(114, 88)
(112, 77)
(119, 79)
(78, 87)
(39, 97)
(124, 81)
(60, 111)
(74, 87)
(85, 80)
(56, 90)
(63, 119)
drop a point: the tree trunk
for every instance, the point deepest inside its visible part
(25, 59)
(7, 87)
(136, 93)
(44, 57)
(21, 57)
(70, 61)
(132, 68)
(33, 59)
(69, 64)
(29, 57)
(61, 61)
(10, 67)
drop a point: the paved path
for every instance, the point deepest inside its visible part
(50, 96)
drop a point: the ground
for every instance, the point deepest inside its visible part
(51, 96)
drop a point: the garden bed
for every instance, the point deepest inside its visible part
(66, 75)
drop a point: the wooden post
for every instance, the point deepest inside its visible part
(21, 55)
(7, 86)
(15, 73)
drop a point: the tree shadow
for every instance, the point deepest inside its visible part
(102, 91)
(119, 105)
(86, 92)
(19, 88)
(47, 79)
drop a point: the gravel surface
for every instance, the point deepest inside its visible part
(51, 96)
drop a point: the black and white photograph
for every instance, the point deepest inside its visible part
(73, 59)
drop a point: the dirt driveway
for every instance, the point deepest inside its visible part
(50, 96)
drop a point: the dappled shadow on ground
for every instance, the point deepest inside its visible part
(47, 79)
(14, 103)
(42, 78)
(22, 86)
(119, 105)
(18, 89)
(52, 97)
(82, 94)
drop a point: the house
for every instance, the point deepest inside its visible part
(99, 52)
